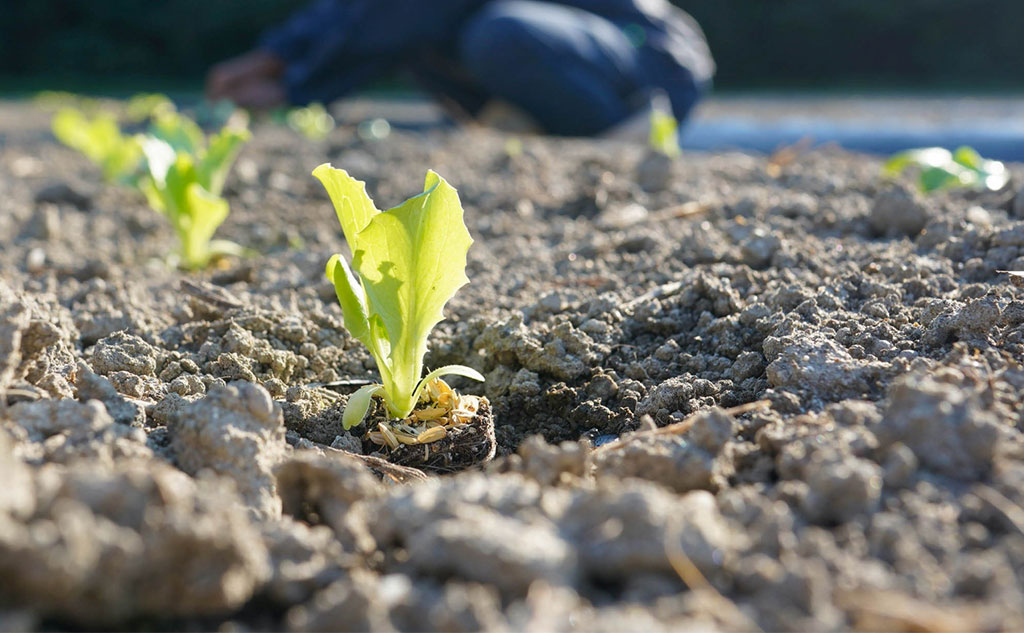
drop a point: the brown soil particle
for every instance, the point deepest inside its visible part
(723, 393)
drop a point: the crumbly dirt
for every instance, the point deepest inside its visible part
(740, 394)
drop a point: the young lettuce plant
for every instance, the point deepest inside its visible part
(100, 139)
(938, 168)
(664, 135)
(145, 105)
(184, 182)
(407, 262)
(313, 121)
(179, 131)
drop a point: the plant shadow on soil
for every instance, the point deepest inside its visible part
(804, 378)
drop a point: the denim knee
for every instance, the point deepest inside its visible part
(495, 40)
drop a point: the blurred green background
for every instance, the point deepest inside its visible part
(112, 45)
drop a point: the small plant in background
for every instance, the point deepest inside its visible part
(146, 105)
(664, 136)
(407, 262)
(938, 168)
(313, 121)
(654, 171)
(185, 135)
(513, 147)
(184, 181)
(179, 171)
(177, 130)
(57, 99)
(100, 139)
(92, 128)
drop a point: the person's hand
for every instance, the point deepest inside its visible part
(252, 80)
(259, 95)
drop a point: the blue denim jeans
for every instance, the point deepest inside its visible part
(576, 73)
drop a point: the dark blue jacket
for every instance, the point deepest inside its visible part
(335, 46)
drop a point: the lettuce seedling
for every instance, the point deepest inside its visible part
(664, 136)
(185, 186)
(99, 138)
(146, 105)
(313, 121)
(407, 262)
(938, 168)
(57, 99)
(179, 131)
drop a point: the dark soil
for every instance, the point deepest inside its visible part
(834, 360)
(465, 446)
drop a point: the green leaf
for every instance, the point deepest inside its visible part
(159, 158)
(203, 213)
(941, 169)
(935, 178)
(664, 136)
(381, 345)
(412, 260)
(313, 121)
(143, 106)
(351, 297)
(64, 99)
(896, 164)
(121, 163)
(178, 131)
(216, 161)
(180, 175)
(969, 158)
(351, 202)
(990, 174)
(154, 196)
(447, 370)
(100, 140)
(72, 128)
(184, 183)
(358, 404)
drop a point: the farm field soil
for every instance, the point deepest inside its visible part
(834, 362)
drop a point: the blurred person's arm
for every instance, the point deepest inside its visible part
(256, 79)
(292, 42)
(336, 46)
(251, 80)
